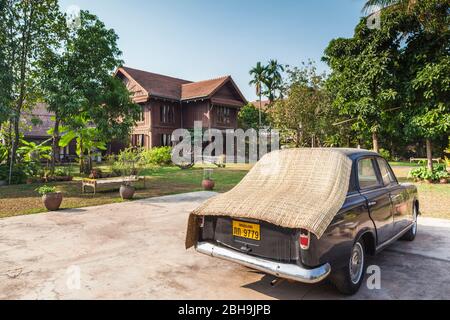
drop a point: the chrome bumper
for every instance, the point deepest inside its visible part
(281, 270)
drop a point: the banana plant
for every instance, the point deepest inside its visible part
(88, 143)
(31, 151)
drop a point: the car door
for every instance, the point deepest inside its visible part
(371, 186)
(401, 206)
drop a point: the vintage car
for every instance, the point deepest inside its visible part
(377, 211)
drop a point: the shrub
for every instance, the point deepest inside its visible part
(157, 156)
(386, 154)
(441, 175)
(128, 162)
(423, 173)
(61, 173)
(45, 190)
(18, 175)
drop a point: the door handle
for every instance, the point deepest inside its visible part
(371, 204)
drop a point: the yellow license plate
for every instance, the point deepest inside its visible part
(247, 230)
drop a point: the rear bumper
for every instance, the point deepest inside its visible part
(281, 270)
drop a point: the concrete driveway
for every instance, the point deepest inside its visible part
(136, 251)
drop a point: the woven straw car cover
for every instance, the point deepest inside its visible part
(294, 188)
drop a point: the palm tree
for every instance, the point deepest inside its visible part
(274, 78)
(259, 73)
(408, 4)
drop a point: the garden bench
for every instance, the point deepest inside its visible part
(217, 161)
(411, 160)
(94, 183)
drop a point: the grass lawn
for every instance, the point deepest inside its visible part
(404, 164)
(23, 199)
(20, 200)
(434, 198)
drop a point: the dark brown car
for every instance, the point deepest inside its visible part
(378, 211)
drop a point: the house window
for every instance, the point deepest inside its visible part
(223, 115)
(142, 114)
(138, 140)
(167, 114)
(166, 140)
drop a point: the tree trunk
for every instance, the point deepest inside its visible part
(376, 146)
(81, 157)
(260, 112)
(16, 138)
(55, 142)
(89, 167)
(430, 155)
(299, 139)
(14, 146)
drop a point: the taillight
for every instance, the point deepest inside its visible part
(304, 240)
(201, 221)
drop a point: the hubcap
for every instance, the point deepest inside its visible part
(356, 263)
(414, 228)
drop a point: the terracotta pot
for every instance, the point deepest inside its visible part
(208, 185)
(127, 192)
(443, 181)
(52, 201)
(429, 181)
(30, 181)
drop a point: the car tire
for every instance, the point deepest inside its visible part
(349, 279)
(412, 233)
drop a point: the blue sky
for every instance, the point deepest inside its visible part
(203, 39)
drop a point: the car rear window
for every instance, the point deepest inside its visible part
(386, 173)
(367, 175)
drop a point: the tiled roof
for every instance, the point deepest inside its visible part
(202, 89)
(45, 118)
(263, 104)
(173, 88)
(156, 84)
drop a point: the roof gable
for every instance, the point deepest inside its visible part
(157, 85)
(202, 89)
(229, 92)
(145, 85)
(223, 90)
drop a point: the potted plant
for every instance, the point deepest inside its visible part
(50, 197)
(442, 176)
(428, 176)
(129, 163)
(96, 174)
(208, 183)
(127, 191)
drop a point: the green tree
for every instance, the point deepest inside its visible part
(89, 140)
(31, 151)
(77, 79)
(364, 79)
(258, 74)
(427, 68)
(304, 116)
(5, 71)
(405, 5)
(273, 80)
(248, 117)
(30, 28)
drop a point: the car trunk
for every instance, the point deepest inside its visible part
(267, 241)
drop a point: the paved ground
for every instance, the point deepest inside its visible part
(136, 251)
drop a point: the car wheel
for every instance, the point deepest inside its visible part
(412, 233)
(348, 280)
